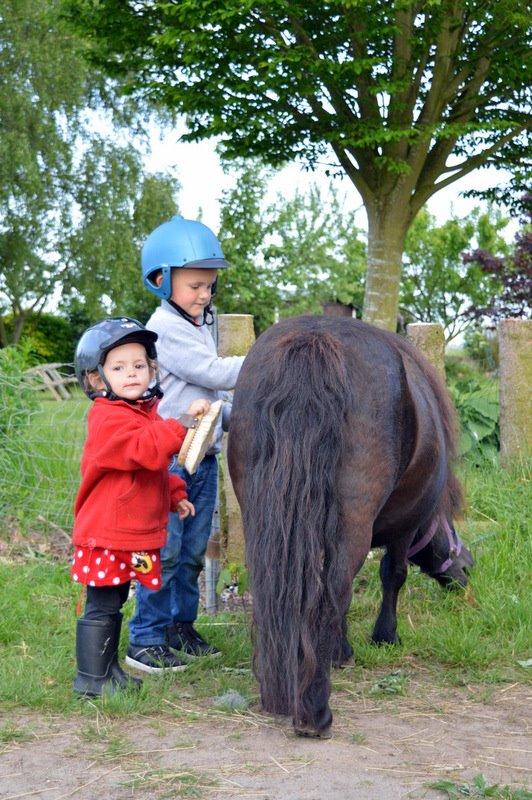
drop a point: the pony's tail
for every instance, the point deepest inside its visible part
(291, 517)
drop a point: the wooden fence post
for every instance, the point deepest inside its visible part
(428, 337)
(235, 338)
(515, 373)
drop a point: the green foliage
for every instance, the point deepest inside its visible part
(245, 288)
(289, 257)
(119, 206)
(73, 205)
(233, 575)
(480, 788)
(395, 683)
(477, 401)
(479, 636)
(315, 251)
(43, 86)
(437, 286)
(482, 346)
(46, 338)
(17, 400)
(296, 79)
(405, 100)
(17, 405)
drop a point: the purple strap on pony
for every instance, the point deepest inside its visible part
(455, 545)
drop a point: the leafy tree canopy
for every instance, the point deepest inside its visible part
(438, 286)
(73, 205)
(404, 97)
(510, 273)
(289, 256)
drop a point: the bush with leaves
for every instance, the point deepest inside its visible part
(17, 399)
(477, 403)
(512, 274)
(46, 338)
(482, 345)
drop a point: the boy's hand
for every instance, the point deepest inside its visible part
(184, 508)
(198, 407)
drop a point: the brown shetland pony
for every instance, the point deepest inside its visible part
(341, 439)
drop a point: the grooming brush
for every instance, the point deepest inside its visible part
(199, 439)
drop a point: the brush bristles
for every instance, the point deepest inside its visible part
(198, 440)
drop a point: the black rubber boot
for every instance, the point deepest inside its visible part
(96, 655)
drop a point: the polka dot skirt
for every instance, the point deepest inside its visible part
(104, 567)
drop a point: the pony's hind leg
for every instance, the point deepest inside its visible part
(343, 651)
(393, 572)
(314, 716)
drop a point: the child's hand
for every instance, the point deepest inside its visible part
(184, 508)
(198, 407)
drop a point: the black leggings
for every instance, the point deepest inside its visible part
(105, 602)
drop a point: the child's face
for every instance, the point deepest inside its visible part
(192, 289)
(127, 371)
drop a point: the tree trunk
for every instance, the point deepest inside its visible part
(17, 329)
(387, 230)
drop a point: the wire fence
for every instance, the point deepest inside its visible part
(42, 430)
(40, 448)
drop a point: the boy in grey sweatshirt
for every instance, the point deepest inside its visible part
(180, 260)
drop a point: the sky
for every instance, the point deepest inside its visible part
(198, 168)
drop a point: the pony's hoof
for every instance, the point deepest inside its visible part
(385, 638)
(343, 654)
(312, 733)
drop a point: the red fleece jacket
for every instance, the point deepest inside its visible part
(126, 490)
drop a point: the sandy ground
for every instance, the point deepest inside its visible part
(381, 749)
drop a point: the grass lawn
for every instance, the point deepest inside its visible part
(481, 635)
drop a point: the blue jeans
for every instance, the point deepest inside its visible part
(182, 560)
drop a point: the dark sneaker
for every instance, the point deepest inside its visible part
(155, 658)
(183, 637)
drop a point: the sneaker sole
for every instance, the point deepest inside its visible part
(195, 655)
(153, 670)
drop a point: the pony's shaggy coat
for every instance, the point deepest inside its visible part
(341, 439)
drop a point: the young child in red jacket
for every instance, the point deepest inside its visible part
(126, 491)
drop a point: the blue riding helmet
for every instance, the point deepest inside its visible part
(179, 242)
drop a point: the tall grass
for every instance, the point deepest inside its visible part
(482, 634)
(40, 464)
(478, 635)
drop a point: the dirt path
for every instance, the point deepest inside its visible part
(380, 750)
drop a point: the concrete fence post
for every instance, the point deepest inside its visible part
(235, 338)
(235, 334)
(515, 374)
(429, 338)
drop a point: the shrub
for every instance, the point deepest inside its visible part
(17, 400)
(477, 404)
(46, 338)
(483, 347)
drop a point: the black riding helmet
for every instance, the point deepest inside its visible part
(96, 342)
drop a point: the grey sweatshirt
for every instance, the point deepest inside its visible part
(189, 366)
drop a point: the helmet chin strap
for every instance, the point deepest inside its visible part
(208, 316)
(154, 391)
